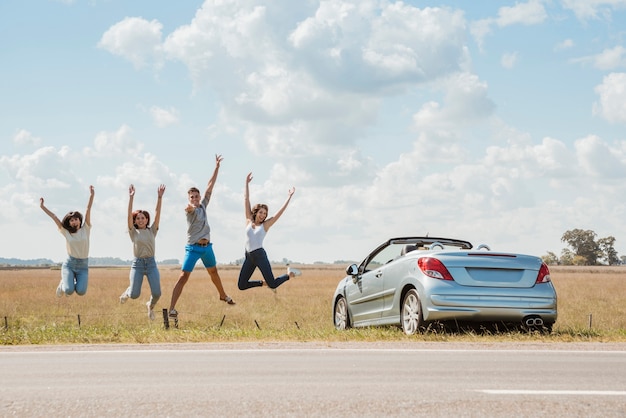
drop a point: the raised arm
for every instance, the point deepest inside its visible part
(50, 214)
(157, 210)
(88, 211)
(246, 200)
(209, 188)
(269, 222)
(131, 196)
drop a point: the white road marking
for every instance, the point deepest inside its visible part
(554, 392)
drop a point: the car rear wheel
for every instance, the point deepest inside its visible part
(341, 317)
(411, 317)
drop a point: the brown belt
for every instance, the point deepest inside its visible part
(202, 244)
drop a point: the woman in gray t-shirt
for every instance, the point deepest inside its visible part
(144, 264)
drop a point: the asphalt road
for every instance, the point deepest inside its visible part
(315, 379)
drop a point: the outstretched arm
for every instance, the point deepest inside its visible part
(88, 211)
(209, 189)
(269, 222)
(246, 200)
(157, 211)
(50, 214)
(131, 195)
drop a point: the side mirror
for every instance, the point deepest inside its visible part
(352, 270)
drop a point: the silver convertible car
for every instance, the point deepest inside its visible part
(415, 281)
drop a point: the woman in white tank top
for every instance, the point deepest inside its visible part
(257, 226)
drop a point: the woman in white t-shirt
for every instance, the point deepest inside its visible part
(144, 264)
(257, 225)
(75, 270)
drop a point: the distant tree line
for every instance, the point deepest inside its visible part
(93, 261)
(584, 250)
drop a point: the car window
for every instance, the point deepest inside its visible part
(384, 256)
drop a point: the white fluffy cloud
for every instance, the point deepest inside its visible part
(164, 117)
(136, 39)
(529, 13)
(608, 59)
(593, 9)
(612, 58)
(509, 60)
(24, 137)
(598, 159)
(312, 71)
(612, 102)
(119, 142)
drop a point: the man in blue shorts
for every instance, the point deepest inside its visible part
(199, 246)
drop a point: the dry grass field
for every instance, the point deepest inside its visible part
(592, 307)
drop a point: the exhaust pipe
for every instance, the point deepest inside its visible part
(533, 322)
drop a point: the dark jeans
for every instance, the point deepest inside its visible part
(258, 258)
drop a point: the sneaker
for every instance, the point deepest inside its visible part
(173, 314)
(150, 311)
(59, 291)
(294, 271)
(124, 297)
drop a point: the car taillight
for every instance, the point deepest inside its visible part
(434, 268)
(544, 274)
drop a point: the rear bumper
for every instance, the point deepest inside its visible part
(489, 308)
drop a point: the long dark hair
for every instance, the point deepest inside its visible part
(68, 217)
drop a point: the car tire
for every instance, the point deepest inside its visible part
(411, 318)
(341, 316)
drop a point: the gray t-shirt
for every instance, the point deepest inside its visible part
(143, 242)
(197, 224)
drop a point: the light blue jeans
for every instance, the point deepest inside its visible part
(144, 267)
(75, 275)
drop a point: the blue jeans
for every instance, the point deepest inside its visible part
(144, 267)
(258, 258)
(75, 275)
(194, 252)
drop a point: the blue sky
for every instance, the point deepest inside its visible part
(497, 122)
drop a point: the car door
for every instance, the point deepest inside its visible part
(365, 293)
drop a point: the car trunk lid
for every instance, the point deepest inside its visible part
(491, 269)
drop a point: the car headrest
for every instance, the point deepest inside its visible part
(408, 248)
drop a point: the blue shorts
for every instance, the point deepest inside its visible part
(195, 252)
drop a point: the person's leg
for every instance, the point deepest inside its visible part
(81, 274)
(245, 274)
(154, 280)
(208, 258)
(261, 260)
(137, 271)
(191, 257)
(217, 281)
(67, 277)
(178, 288)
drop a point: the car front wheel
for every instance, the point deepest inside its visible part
(411, 317)
(341, 317)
